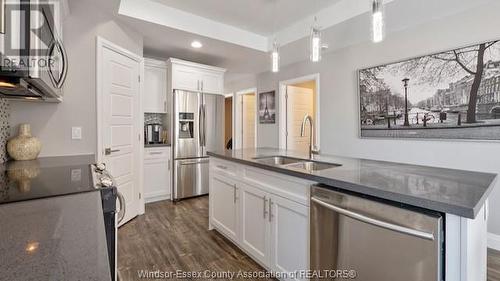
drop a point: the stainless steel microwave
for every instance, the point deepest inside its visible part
(34, 62)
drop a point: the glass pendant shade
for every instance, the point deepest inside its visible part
(378, 25)
(315, 44)
(275, 58)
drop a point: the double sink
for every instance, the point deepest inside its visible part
(306, 165)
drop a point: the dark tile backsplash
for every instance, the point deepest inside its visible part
(155, 118)
(4, 129)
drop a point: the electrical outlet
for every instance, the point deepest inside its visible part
(76, 133)
(76, 175)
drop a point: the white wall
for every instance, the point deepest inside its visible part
(52, 122)
(232, 85)
(339, 105)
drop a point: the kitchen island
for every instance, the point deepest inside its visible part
(275, 182)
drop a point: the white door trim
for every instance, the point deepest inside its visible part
(102, 43)
(282, 108)
(233, 114)
(237, 110)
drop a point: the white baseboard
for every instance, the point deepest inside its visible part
(155, 197)
(494, 241)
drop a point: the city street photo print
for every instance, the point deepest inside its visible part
(449, 95)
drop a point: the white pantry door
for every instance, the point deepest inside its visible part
(299, 103)
(119, 81)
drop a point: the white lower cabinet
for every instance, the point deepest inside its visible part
(270, 228)
(274, 230)
(255, 225)
(289, 235)
(223, 206)
(157, 171)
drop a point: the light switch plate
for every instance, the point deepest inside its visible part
(76, 133)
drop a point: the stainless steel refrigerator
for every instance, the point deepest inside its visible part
(198, 126)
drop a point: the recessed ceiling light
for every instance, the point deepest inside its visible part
(196, 44)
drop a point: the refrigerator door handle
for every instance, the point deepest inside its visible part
(195, 162)
(200, 127)
(204, 126)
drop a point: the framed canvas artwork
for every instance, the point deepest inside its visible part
(267, 107)
(449, 95)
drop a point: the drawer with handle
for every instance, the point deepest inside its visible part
(157, 153)
(225, 167)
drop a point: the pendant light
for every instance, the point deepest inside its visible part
(275, 53)
(275, 57)
(378, 25)
(315, 42)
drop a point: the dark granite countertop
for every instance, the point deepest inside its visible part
(60, 238)
(157, 145)
(45, 177)
(457, 192)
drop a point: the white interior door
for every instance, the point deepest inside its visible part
(249, 111)
(119, 81)
(300, 102)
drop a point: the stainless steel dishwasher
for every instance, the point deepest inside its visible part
(379, 241)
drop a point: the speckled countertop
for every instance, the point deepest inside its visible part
(457, 192)
(45, 177)
(149, 145)
(60, 238)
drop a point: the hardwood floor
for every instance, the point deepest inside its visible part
(493, 265)
(172, 237)
(175, 237)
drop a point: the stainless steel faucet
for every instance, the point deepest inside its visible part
(312, 150)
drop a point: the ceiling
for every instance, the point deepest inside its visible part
(259, 16)
(234, 32)
(236, 35)
(163, 42)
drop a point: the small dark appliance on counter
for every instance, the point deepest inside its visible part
(153, 133)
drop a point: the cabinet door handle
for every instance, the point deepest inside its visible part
(202, 85)
(234, 193)
(155, 153)
(265, 210)
(270, 210)
(221, 167)
(168, 164)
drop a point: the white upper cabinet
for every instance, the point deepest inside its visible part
(212, 82)
(196, 77)
(155, 86)
(185, 78)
